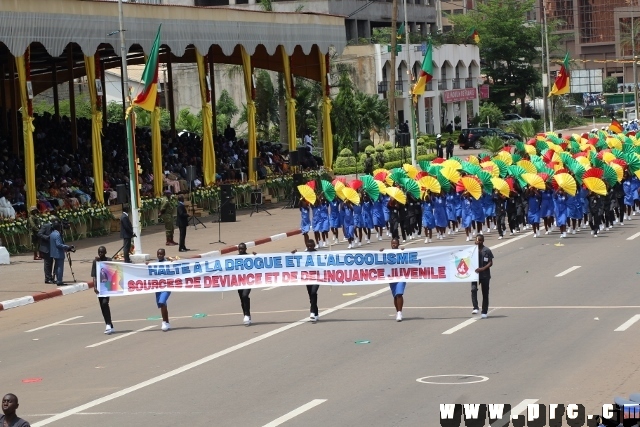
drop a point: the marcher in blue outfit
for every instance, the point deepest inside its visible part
(367, 218)
(348, 222)
(357, 223)
(324, 221)
(533, 209)
(305, 220)
(477, 211)
(489, 207)
(385, 212)
(451, 211)
(440, 215)
(428, 220)
(334, 218)
(560, 208)
(546, 209)
(317, 221)
(574, 210)
(378, 216)
(466, 213)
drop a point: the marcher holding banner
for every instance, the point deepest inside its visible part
(163, 297)
(104, 301)
(312, 290)
(245, 302)
(397, 288)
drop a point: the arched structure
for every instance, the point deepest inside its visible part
(43, 44)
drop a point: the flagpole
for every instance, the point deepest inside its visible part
(133, 170)
(412, 127)
(546, 36)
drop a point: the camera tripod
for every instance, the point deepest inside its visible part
(256, 201)
(192, 218)
(220, 205)
(71, 267)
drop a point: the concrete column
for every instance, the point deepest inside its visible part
(476, 106)
(366, 26)
(437, 128)
(451, 113)
(232, 2)
(352, 29)
(422, 120)
(252, 1)
(413, 27)
(463, 114)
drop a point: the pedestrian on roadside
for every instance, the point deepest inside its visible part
(439, 148)
(397, 288)
(58, 251)
(312, 290)
(104, 301)
(166, 214)
(9, 407)
(183, 222)
(126, 234)
(44, 234)
(449, 148)
(245, 302)
(163, 297)
(485, 261)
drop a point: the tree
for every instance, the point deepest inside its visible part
(308, 96)
(226, 108)
(266, 104)
(114, 112)
(489, 112)
(610, 85)
(344, 120)
(508, 46)
(189, 122)
(493, 144)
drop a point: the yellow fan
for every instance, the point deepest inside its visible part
(396, 194)
(472, 186)
(307, 193)
(530, 149)
(381, 187)
(451, 174)
(566, 182)
(596, 185)
(619, 171)
(534, 180)
(501, 185)
(377, 171)
(351, 195)
(430, 183)
(558, 166)
(453, 164)
(554, 147)
(584, 161)
(607, 156)
(473, 160)
(505, 157)
(614, 143)
(339, 185)
(411, 170)
(528, 166)
(587, 147)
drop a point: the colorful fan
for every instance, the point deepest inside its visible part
(516, 171)
(312, 184)
(437, 161)
(451, 174)
(566, 183)
(453, 164)
(356, 184)
(381, 174)
(633, 163)
(328, 190)
(501, 185)
(614, 143)
(504, 157)
(421, 174)
(541, 145)
(430, 183)
(472, 186)
(534, 180)
(342, 179)
(504, 168)
(411, 187)
(609, 175)
(424, 165)
(593, 173)
(351, 195)
(619, 170)
(411, 170)
(492, 170)
(381, 187)
(338, 185)
(397, 174)
(471, 168)
(444, 182)
(485, 181)
(528, 166)
(397, 195)
(370, 187)
(307, 193)
(545, 176)
(596, 185)
(473, 159)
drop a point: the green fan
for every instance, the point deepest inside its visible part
(633, 163)
(578, 170)
(433, 170)
(424, 165)
(502, 166)
(444, 182)
(516, 171)
(370, 187)
(601, 144)
(550, 172)
(541, 145)
(483, 157)
(520, 147)
(595, 161)
(619, 154)
(397, 174)
(411, 187)
(516, 157)
(485, 179)
(457, 159)
(470, 168)
(533, 158)
(565, 157)
(574, 147)
(555, 139)
(628, 147)
(328, 190)
(609, 176)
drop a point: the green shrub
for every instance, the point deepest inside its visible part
(364, 144)
(343, 162)
(370, 149)
(380, 148)
(421, 141)
(388, 145)
(348, 170)
(421, 150)
(345, 152)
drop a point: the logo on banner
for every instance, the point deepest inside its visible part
(111, 279)
(462, 267)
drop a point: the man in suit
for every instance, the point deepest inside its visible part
(58, 250)
(126, 233)
(43, 234)
(182, 222)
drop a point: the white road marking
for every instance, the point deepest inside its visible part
(199, 362)
(53, 324)
(634, 236)
(268, 289)
(515, 411)
(118, 337)
(304, 408)
(506, 242)
(568, 270)
(72, 289)
(626, 325)
(460, 326)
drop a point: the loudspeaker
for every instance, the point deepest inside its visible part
(256, 197)
(123, 194)
(191, 173)
(226, 192)
(356, 148)
(294, 159)
(256, 162)
(228, 213)
(302, 152)
(298, 179)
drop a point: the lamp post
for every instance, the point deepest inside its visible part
(546, 47)
(635, 70)
(412, 122)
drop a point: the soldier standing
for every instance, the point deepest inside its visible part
(166, 213)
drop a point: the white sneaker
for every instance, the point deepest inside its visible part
(535, 235)
(165, 326)
(546, 232)
(313, 318)
(350, 246)
(601, 227)
(317, 246)
(450, 232)
(495, 227)
(500, 238)
(573, 231)
(368, 242)
(563, 235)
(488, 230)
(426, 240)
(511, 233)
(359, 244)
(404, 241)
(474, 311)
(468, 239)
(379, 238)
(622, 223)
(608, 228)
(480, 232)
(399, 317)
(484, 316)
(108, 330)
(430, 241)
(592, 232)
(595, 235)
(246, 320)
(474, 233)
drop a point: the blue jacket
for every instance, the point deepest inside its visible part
(57, 248)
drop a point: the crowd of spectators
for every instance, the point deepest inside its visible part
(64, 176)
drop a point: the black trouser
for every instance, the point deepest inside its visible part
(312, 290)
(393, 226)
(245, 302)
(183, 236)
(484, 283)
(500, 223)
(126, 248)
(48, 266)
(513, 222)
(621, 209)
(106, 311)
(594, 223)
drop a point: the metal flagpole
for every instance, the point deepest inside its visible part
(412, 127)
(546, 36)
(133, 167)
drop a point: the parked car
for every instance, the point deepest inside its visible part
(472, 137)
(576, 110)
(511, 118)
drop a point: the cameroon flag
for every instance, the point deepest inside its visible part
(615, 126)
(426, 72)
(561, 85)
(147, 98)
(474, 36)
(400, 31)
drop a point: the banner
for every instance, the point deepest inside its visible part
(337, 268)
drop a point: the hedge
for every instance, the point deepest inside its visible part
(388, 165)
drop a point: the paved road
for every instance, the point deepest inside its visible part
(548, 339)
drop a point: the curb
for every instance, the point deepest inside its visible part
(83, 286)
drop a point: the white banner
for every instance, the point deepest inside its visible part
(337, 268)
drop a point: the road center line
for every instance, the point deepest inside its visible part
(568, 270)
(506, 242)
(268, 289)
(633, 236)
(626, 325)
(121, 336)
(53, 324)
(304, 408)
(460, 326)
(195, 364)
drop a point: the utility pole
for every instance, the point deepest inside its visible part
(392, 77)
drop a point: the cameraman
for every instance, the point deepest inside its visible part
(43, 234)
(57, 251)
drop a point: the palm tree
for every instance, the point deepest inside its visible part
(525, 129)
(493, 144)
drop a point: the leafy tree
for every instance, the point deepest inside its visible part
(344, 120)
(189, 122)
(610, 85)
(493, 144)
(308, 97)
(227, 108)
(491, 112)
(266, 104)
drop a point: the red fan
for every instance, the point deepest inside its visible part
(532, 141)
(564, 145)
(620, 162)
(548, 156)
(554, 184)
(544, 176)
(507, 149)
(580, 154)
(342, 179)
(460, 187)
(585, 135)
(593, 173)
(510, 182)
(356, 184)
(632, 133)
(312, 184)
(601, 153)
(421, 174)
(437, 160)
(484, 159)
(592, 141)
(562, 170)
(381, 176)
